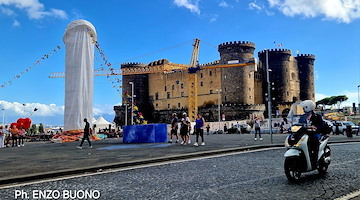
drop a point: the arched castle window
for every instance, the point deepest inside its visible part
(156, 96)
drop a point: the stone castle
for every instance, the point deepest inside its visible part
(240, 91)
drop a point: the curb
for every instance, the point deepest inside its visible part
(93, 169)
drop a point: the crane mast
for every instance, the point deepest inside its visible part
(193, 82)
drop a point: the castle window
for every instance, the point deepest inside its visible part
(210, 73)
(177, 82)
(156, 105)
(211, 92)
(182, 85)
(249, 75)
(287, 93)
(249, 97)
(249, 89)
(182, 94)
(168, 95)
(173, 87)
(225, 98)
(156, 96)
(165, 88)
(168, 105)
(225, 89)
(201, 75)
(201, 83)
(178, 105)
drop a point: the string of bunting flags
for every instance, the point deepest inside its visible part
(44, 57)
(138, 117)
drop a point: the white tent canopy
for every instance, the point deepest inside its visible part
(101, 123)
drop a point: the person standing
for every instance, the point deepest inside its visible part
(86, 134)
(2, 137)
(14, 135)
(207, 129)
(22, 133)
(199, 125)
(257, 129)
(174, 128)
(184, 128)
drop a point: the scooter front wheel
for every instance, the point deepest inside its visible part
(292, 170)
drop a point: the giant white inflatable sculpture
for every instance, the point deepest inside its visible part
(79, 68)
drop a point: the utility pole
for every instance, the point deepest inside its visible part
(219, 113)
(132, 102)
(269, 94)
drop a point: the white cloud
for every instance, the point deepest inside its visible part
(7, 11)
(16, 23)
(340, 10)
(189, 4)
(224, 4)
(214, 18)
(43, 110)
(34, 9)
(254, 6)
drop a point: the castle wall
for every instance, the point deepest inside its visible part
(170, 91)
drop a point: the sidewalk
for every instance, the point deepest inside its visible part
(40, 160)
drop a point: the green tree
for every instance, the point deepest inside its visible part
(339, 99)
(41, 128)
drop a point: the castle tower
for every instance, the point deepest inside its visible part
(237, 82)
(306, 76)
(141, 89)
(283, 75)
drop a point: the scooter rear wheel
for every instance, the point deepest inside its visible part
(292, 171)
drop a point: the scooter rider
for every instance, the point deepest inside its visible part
(316, 123)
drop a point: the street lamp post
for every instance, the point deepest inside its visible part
(219, 111)
(132, 102)
(3, 116)
(358, 108)
(126, 108)
(269, 94)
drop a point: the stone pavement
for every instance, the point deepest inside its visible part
(39, 160)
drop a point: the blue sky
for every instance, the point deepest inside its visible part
(128, 29)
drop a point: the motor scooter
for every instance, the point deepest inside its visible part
(298, 157)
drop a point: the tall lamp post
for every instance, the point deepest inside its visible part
(269, 93)
(3, 116)
(132, 102)
(219, 111)
(126, 105)
(358, 108)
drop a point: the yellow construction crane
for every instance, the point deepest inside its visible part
(192, 69)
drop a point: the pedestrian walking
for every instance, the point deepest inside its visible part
(257, 129)
(87, 132)
(208, 129)
(184, 129)
(174, 128)
(225, 129)
(199, 125)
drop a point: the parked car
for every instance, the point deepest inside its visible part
(339, 127)
(354, 127)
(240, 128)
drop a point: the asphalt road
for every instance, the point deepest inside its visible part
(250, 175)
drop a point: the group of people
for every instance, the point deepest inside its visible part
(185, 128)
(14, 134)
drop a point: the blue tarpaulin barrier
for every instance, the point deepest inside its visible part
(147, 133)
